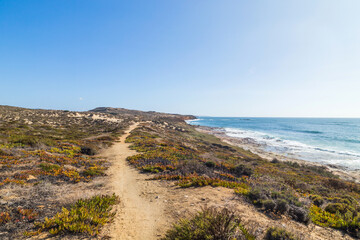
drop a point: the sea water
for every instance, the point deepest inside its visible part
(325, 140)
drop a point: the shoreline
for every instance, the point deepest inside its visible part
(256, 148)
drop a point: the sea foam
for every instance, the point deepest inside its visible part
(327, 141)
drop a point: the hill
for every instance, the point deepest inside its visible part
(60, 170)
(151, 115)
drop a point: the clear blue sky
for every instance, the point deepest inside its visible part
(219, 58)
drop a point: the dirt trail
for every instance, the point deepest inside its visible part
(138, 216)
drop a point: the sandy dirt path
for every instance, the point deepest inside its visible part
(139, 215)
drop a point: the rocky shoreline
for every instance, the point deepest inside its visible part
(257, 148)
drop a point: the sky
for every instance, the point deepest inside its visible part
(279, 58)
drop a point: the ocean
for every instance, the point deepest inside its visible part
(333, 141)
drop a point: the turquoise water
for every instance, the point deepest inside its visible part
(325, 140)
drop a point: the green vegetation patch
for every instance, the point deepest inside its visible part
(93, 171)
(49, 167)
(343, 218)
(173, 157)
(86, 216)
(275, 233)
(210, 224)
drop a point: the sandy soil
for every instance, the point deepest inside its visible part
(95, 117)
(148, 208)
(184, 202)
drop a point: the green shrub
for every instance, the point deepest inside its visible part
(255, 194)
(243, 169)
(88, 150)
(257, 197)
(47, 141)
(93, 171)
(299, 214)
(337, 207)
(210, 164)
(31, 141)
(275, 233)
(210, 224)
(49, 167)
(275, 160)
(86, 216)
(24, 139)
(336, 184)
(282, 206)
(321, 170)
(269, 205)
(287, 195)
(318, 200)
(293, 164)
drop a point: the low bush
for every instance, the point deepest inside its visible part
(93, 171)
(269, 205)
(299, 214)
(49, 167)
(275, 233)
(31, 141)
(275, 160)
(242, 169)
(280, 202)
(336, 184)
(88, 150)
(17, 214)
(337, 207)
(24, 139)
(318, 200)
(200, 181)
(255, 195)
(210, 224)
(321, 170)
(189, 167)
(292, 164)
(4, 217)
(210, 164)
(282, 206)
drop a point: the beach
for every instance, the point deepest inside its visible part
(258, 148)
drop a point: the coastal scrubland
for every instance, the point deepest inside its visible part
(52, 180)
(304, 193)
(46, 157)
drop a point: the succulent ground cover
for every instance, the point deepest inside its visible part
(177, 152)
(86, 216)
(44, 155)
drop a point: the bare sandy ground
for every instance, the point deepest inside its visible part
(148, 208)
